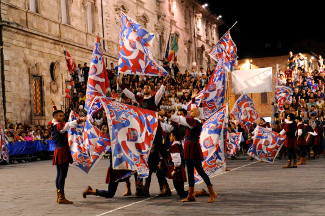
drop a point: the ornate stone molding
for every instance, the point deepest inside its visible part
(121, 6)
(143, 19)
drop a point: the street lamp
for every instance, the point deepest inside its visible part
(219, 17)
(205, 5)
(249, 63)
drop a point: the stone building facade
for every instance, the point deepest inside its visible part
(32, 33)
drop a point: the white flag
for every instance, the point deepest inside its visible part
(252, 81)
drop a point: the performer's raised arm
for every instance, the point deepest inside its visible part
(126, 91)
(161, 91)
(72, 124)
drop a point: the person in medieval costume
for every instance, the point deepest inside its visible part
(151, 102)
(289, 130)
(301, 141)
(192, 151)
(113, 177)
(62, 154)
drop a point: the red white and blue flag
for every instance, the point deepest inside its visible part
(214, 92)
(87, 143)
(225, 49)
(212, 143)
(3, 145)
(98, 81)
(233, 143)
(132, 131)
(283, 94)
(134, 54)
(244, 112)
(266, 144)
(70, 62)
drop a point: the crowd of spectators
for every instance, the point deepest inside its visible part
(307, 83)
(23, 132)
(306, 78)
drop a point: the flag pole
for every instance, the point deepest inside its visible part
(233, 25)
(229, 29)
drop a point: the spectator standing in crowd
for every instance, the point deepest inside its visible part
(175, 67)
(291, 60)
(79, 73)
(320, 63)
(85, 71)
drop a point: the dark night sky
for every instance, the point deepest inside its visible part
(271, 22)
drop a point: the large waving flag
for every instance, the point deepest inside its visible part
(3, 145)
(225, 49)
(214, 92)
(233, 143)
(132, 131)
(87, 144)
(283, 94)
(266, 144)
(70, 62)
(98, 81)
(212, 143)
(244, 112)
(134, 54)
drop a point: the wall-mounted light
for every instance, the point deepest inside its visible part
(174, 5)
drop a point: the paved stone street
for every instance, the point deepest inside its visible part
(250, 188)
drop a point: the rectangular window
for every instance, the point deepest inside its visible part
(37, 95)
(90, 17)
(64, 11)
(33, 5)
(264, 98)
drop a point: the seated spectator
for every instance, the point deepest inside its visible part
(46, 135)
(82, 97)
(29, 137)
(37, 135)
(282, 80)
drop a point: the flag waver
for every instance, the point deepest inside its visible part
(134, 54)
(244, 112)
(132, 131)
(98, 81)
(266, 144)
(212, 143)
